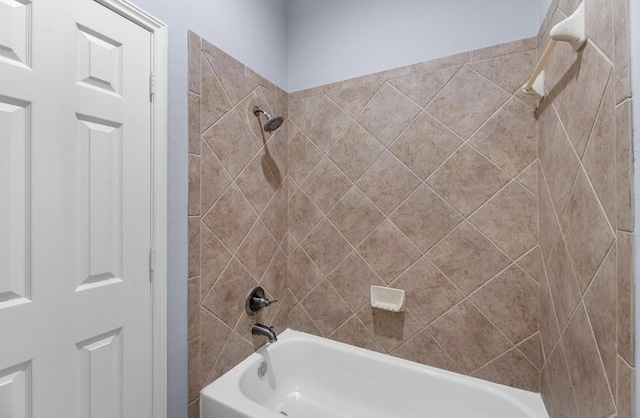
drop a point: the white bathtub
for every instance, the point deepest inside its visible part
(312, 377)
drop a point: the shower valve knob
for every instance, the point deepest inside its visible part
(256, 300)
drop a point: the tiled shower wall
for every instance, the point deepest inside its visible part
(237, 211)
(586, 219)
(422, 178)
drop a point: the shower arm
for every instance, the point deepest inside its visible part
(571, 30)
(257, 111)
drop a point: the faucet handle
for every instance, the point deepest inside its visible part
(256, 300)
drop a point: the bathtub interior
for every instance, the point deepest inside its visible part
(311, 377)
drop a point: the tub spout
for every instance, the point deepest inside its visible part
(265, 331)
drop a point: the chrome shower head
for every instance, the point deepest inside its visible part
(272, 123)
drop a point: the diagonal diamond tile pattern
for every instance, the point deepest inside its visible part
(467, 180)
(470, 282)
(466, 102)
(384, 124)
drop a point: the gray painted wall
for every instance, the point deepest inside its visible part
(242, 28)
(333, 40)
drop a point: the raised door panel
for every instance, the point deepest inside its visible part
(15, 32)
(100, 367)
(15, 391)
(99, 145)
(14, 205)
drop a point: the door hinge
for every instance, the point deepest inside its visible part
(152, 86)
(152, 259)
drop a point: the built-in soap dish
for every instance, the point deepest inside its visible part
(387, 299)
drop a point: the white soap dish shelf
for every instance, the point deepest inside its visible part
(388, 299)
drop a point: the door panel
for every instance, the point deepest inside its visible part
(75, 212)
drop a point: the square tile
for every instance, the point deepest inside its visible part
(468, 337)
(466, 102)
(355, 152)
(388, 251)
(467, 258)
(326, 246)
(425, 145)
(510, 301)
(509, 138)
(355, 216)
(388, 182)
(467, 180)
(388, 114)
(425, 218)
(510, 220)
(326, 308)
(429, 294)
(325, 124)
(326, 185)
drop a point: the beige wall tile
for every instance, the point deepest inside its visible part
(325, 124)
(593, 396)
(582, 97)
(257, 250)
(511, 369)
(355, 216)
(355, 151)
(352, 279)
(380, 121)
(304, 275)
(425, 145)
(235, 84)
(422, 87)
(509, 138)
(423, 349)
(503, 49)
(214, 99)
(467, 180)
(625, 297)
(429, 294)
(621, 49)
(326, 185)
(532, 350)
(354, 333)
(466, 102)
(326, 246)
(388, 251)
(194, 123)
(304, 215)
(600, 157)
(388, 182)
(231, 143)
(624, 164)
(425, 218)
(587, 233)
(390, 329)
(327, 309)
(194, 246)
(510, 220)
(509, 72)
(355, 99)
(195, 70)
(468, 337)
(194, 185)
(600, 302)
(231, 218)
(467, 258)
(214, 257)
(227, 294)
(510, 301)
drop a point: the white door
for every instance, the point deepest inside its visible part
(75, 212)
